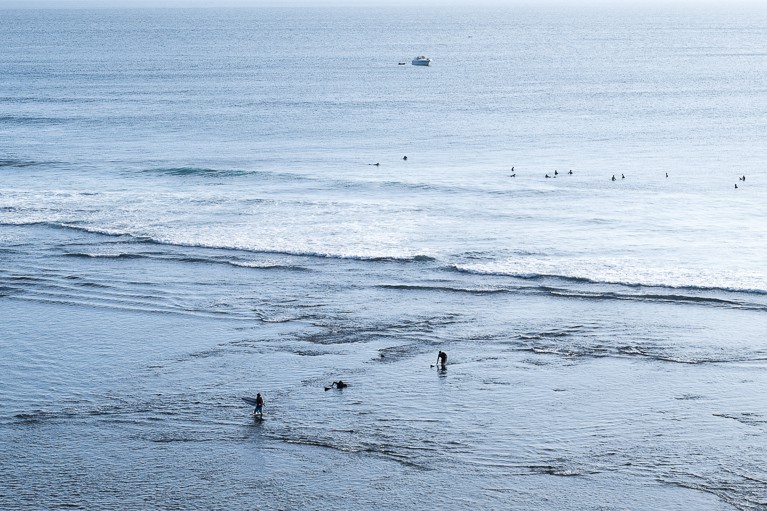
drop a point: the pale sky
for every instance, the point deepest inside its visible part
(14, 4)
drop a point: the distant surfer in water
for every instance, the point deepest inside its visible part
(337, 384)
(259, 406)
(442, 360)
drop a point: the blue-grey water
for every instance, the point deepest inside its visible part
(190, 212)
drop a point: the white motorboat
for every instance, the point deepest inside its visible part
(421, 60)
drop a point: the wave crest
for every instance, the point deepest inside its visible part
(637, 282)
(197, 171)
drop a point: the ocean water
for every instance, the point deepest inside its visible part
(198, 205)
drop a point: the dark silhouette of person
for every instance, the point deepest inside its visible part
(442, 360)
(259, 405)
(613, 177)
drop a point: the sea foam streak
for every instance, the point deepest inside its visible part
(625, 273)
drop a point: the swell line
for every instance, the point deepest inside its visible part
(541, 277)
(139, 238)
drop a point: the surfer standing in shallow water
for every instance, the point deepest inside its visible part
(442, 360)
(259, 406)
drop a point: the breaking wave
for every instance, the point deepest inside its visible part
(139, 238)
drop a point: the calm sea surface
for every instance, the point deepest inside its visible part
(199, 205)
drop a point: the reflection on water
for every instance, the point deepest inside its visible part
(592, 407)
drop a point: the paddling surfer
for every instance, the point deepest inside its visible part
(339, 384)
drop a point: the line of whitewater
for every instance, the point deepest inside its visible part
(550, 283)
(149, 240)
(533, 276)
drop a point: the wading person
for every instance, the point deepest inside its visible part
(442, 360)
(259, 406)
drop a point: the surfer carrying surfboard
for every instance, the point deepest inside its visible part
(259, 405)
